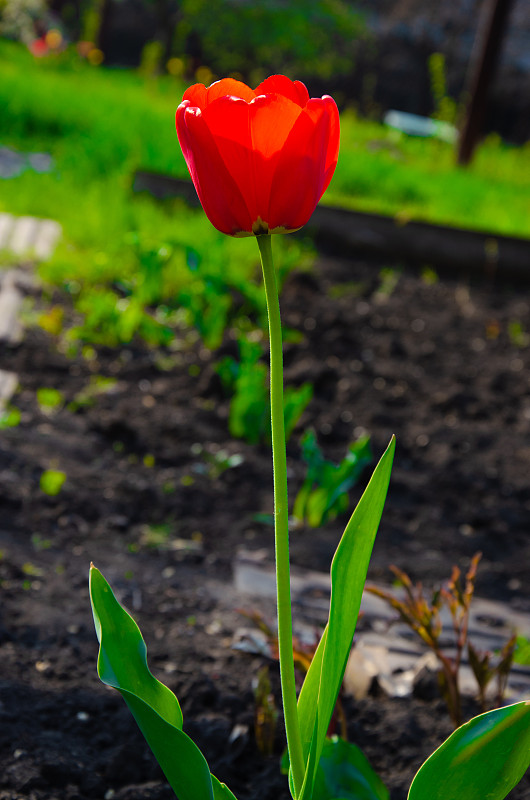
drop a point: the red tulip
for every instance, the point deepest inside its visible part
(260, 159)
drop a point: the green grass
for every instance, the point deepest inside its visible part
(102, 124)
(122, 253)
(386, 172)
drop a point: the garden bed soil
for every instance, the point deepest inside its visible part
(443, 364)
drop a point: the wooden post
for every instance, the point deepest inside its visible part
(492, 27)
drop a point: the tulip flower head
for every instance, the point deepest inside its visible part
(260, 159)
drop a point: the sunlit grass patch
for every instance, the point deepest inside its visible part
(125, 255)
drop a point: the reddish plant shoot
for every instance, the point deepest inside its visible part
(423, 617)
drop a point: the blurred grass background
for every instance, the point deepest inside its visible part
(100, 124)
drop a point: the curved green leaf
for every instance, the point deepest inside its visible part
(348, 574)
(344, 772)
(122, 664)
(482, 760)
(122, 659)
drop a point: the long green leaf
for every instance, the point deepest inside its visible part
(122, 664)
(348, 574)
(482, 760)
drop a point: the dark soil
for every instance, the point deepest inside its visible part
(432, 362)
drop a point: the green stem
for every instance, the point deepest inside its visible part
(281, 518)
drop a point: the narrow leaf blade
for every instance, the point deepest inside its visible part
(348, 574)
(482, 760)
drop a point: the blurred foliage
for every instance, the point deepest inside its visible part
(99, 125)
(445, 108)
(133, 266)
(9, 417)
(51, 481)
(246, 381)
(384, 171)
(296, 37)
(522, 650)
(324, 492)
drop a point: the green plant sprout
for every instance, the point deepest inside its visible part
(50, 400)
(214, 462)
(111, 320)
(51, 481)
(9, 417)
(260, 160)
(97, 385)
(519, 337)
(388, 280)
(324, 492)
(522, 650)
(423, 617)
(250, 410)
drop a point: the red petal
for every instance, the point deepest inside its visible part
(271, 121)
(272, 118)
(200, 96)
(334, 140)
(280, 84)
(306, 162)
(196, 95)
(229, 87)
(249, 138)
(228, 120)
(218, 192)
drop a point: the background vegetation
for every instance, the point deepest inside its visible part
(123, 254)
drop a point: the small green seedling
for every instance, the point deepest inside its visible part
(97, 385)
(388, 280)
(214, 462)
(51, 481)
(522, 650)
(324, 492)
(9, 417)
(519, 337)
(246, 381)
(50, 400)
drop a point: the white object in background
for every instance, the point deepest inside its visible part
(414, 125)
(29, 236)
